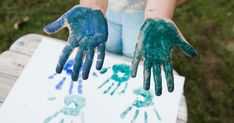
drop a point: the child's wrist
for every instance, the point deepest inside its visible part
(153, 13)
(94, 6)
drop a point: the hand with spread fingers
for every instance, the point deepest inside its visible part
(87, 30)
(156, 40)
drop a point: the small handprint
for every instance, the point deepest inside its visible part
(144, 105)
(67, 69)
(73, 107)
(121, 75)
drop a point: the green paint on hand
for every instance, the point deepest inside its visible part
(157, 38)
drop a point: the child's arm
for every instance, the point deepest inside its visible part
(95, 4)
(160, 9)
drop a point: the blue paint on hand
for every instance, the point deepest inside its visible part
(87, 30)
(157, 38)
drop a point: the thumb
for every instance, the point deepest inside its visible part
(187, 48)
(55, 26)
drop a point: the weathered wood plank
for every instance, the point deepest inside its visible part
(6, 83)
(12, 63)
(27, 44)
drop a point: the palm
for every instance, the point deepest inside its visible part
(87, 30)
(156, 40)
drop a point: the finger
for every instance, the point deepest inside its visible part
(63, 57)
(169, 76)
(55, 26)
(136, 60)
(101, 56)
(77, 65)
(147, 73)
(88, 63)
(157, 79)
(187, 48)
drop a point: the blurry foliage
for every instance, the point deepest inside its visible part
(207, 24)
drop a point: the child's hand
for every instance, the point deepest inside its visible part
(87, 30)
(156, 39)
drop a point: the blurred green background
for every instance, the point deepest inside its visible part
(207, 24)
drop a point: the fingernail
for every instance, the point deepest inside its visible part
(74, 77)
(59, 69)
(171, 88)
(158, 92)
(85, 76)
(146, 86)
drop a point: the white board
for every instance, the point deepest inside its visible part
(40, 96)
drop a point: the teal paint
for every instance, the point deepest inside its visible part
(139, 105)
(120, 76)
(52, 98)
(157, 114)
(135, 116)
(146, 117)
(87, 31)
(61, 121)
(157, 38)
(148, 98)
(77, 101)
(123, 114)
(125, 88)
(104, 70)
(100, 86)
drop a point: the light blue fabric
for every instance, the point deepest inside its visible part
(123, 29)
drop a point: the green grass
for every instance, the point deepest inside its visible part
(207, 24)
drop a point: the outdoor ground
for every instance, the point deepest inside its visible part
(207, 24)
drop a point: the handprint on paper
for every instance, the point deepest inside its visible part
(73, 107)
(120, 76)
(68, 70)
(146, 105)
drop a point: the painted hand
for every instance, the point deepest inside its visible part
(156, 39)
(87, 30)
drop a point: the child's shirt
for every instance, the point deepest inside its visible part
(129, 6)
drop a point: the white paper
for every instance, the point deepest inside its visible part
(34, 98)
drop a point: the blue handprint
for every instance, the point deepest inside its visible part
(73, 107)
(139, 105)
(121, 75)
(87, 30)
(67, 69)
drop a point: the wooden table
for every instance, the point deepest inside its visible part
(13, 61)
